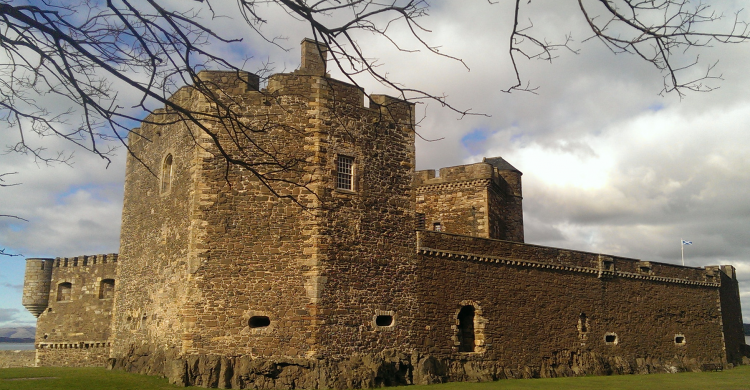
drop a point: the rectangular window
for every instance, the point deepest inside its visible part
(344, 173)
(437, 227)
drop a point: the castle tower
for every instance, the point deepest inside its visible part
(213, 261)
(479, 200)
(36, 285)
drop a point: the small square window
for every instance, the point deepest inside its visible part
(611, 339)
(437, 227)
(344, 173)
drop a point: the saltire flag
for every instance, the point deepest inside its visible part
(687, 242)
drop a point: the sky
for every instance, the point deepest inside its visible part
(609, 165)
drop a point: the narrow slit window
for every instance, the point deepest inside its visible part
(344, 173)
(583, 325)
(166, 174)
(64, 291)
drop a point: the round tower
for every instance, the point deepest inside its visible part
(36, 285)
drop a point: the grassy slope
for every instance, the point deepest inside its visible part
(99, 378)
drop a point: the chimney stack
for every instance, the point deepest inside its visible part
(314, 56)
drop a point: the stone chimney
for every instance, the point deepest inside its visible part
(314, 56)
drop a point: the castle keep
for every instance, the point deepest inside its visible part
(349, 269)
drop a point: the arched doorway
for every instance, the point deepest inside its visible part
(466, 329)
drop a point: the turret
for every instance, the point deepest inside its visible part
(36, 285)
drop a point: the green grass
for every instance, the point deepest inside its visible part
(99, 378)
(64, 378)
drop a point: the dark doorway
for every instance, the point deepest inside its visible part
(466, 329)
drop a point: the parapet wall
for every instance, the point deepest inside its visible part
(18, 358)
(82, 354)
(454, 174)
(547, 257)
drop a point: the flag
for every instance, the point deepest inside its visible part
(687, 242)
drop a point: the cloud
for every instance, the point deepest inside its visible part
(16, 287)
(9, 317)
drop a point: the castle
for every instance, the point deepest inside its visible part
(358, 271)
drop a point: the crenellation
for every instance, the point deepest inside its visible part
(358, 271)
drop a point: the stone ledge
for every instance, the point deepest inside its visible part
(534, 264)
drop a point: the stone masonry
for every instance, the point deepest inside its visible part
(72, 299)
(348, 269)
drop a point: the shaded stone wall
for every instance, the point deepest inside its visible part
(505, 209)
(80, 314)
(731, 313)
(534, 303)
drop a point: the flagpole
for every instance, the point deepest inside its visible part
(682, 249)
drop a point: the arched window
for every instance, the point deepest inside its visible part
(64, 291)
(107, 289)
(466, 329)
(166, 174)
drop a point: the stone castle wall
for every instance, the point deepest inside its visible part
(547, 311)
(158, 238)
(229, 251)
(18, 358)
(78, 315)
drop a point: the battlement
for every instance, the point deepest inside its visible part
(469, 172)
(232, 82)
(85, 261)
(477, 171)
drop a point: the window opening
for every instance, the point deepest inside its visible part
(679, 339)
(344, 173)
(259, 322)
(166, 174)
(64, 291)
(466, 329)
(610, 338)
(583, 326)
(437, 227)
(384, 320)
(107, 289)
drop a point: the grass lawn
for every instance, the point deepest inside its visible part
(52, 378)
